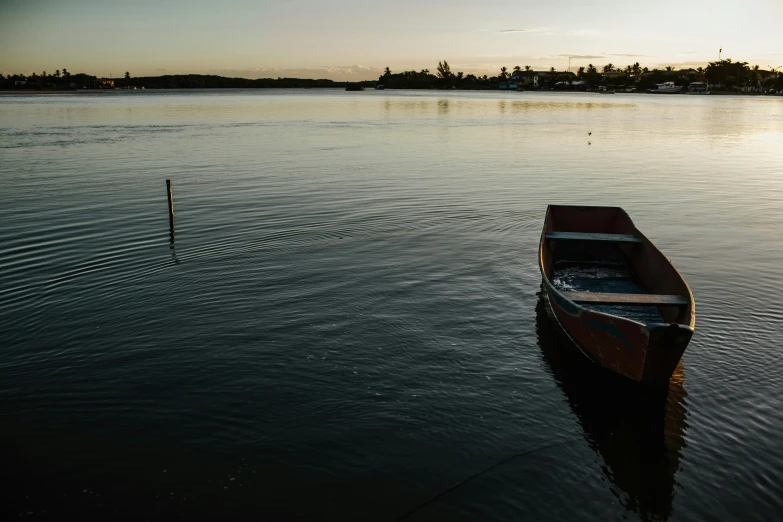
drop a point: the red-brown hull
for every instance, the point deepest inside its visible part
(646, 353)
(625, 347)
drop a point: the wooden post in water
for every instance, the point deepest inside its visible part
(171, 208)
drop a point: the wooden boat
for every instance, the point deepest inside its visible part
(614, 293)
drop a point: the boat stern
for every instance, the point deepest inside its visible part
(667, 343)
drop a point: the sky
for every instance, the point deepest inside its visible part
(356, 39)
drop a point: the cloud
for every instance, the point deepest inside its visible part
(350, 69)
(586, 32)
(678, 65)
(576, 32)
(534, 30)
(628, 55)
(582, 56)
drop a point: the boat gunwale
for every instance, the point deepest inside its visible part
(551, 287)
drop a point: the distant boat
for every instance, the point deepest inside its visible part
(665, 88)
(614, 293)
(698, 88)
(355, 87)
(379, 87)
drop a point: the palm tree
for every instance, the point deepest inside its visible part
(517, 68)
(754, 75)
(608, 67)
(580, 73)
(552, 70)
(57, 73)
(444, 71)
(387, 72)
(503, 73)
(637, 70)
(527, 67)
(669, 68)
(460, 75)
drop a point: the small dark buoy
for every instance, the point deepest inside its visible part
(589, 133)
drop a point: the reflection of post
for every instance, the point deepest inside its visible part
(171, 209)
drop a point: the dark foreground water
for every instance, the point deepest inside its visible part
(349, 325)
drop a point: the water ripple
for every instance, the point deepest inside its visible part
(351, 306)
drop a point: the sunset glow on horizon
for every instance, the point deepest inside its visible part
(352, 39)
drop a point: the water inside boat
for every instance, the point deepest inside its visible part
(601, 268)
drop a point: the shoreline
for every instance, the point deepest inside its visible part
(119, 91)
(83, 91)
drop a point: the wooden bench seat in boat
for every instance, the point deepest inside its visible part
(594, 236)
(626, 299)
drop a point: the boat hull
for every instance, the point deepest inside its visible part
(646, 353)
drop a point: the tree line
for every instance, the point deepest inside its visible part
(58, 79)
(63, 80)
(723, 74)
(443, 78)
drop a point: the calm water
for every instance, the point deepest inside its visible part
(349, 323)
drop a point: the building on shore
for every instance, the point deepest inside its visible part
(614, 74)
(530, 79)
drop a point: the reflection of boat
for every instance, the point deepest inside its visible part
(665, 88)
(615, 294)
(638, 433)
